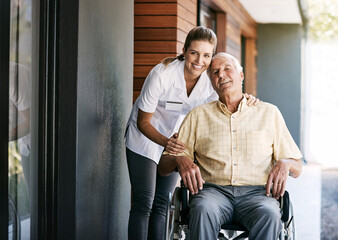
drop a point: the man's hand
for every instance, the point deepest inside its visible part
(277, 178)
(190, 174)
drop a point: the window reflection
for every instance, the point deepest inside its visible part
(19, 120)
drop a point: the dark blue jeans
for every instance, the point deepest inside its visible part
(150, 191)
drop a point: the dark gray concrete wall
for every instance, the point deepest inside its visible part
(279, 71)
(105, 81)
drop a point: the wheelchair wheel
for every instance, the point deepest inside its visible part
(289, 228)
(173, 215)
(177, 213)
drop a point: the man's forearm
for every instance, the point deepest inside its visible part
(167, 165)
(295, 167)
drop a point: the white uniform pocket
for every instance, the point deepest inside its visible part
(173, 106)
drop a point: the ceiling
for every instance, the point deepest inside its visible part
(273, 11)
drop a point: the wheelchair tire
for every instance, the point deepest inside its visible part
(173, 215)
(289, 226)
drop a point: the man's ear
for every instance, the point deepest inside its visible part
(242, 76)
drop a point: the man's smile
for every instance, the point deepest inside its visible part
(224, 82)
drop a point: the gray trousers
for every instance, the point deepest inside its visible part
(147, 219)
(247, 205)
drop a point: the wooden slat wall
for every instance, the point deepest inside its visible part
(160, 28)
(250, 82)
(237, 23)
(233, 39)
(221, 19)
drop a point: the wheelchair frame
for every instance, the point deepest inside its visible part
(177, 227)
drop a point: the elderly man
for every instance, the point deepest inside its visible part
(244, 157)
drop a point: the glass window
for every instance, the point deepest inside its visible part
(207, 17)
(19, 162)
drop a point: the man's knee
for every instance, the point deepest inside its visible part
(267, 220)
(266, 224)
(270, 213)
(205, 210)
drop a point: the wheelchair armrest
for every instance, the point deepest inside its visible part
(285, 206)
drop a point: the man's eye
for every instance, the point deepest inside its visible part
(215, 72)
(207, 56)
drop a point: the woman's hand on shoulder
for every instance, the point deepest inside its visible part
(173, 146)
(252, 100)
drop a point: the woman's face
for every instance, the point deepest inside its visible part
(197, 58)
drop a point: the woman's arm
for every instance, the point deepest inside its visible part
(23, 128)
(171, 145)
(251, 100)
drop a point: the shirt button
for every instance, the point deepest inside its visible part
(235, 164)
(232, 117)
(233, 181)
(233, 131)
(234, 148)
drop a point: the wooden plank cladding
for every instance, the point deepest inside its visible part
(155, 34)
(155, 46)
(155, 9)
(188, 15)
(250, 81)
(155, 21)
(141, 71)
(150, 59)
(154, 1)
(233, 24)
(160, 28)
(190, 5)
(236, 10)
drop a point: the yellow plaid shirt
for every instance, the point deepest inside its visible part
(236, 148)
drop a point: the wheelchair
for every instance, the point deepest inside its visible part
(177, 227)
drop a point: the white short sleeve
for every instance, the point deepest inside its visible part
(151, 91)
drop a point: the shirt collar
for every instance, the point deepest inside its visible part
(242, 106)
(180, 82)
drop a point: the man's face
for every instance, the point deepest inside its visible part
(225, 77)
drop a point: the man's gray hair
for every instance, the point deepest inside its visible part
(228, 56)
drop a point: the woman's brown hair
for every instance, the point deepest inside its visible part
(196, 34)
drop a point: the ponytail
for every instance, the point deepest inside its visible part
(169, 60)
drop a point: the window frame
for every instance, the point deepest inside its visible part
(4, 108)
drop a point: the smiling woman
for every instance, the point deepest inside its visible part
(153, 123)
(197, 59)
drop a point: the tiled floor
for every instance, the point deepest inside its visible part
(305, 192)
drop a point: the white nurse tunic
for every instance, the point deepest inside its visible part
(164, 94)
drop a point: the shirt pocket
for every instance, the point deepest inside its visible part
(259, 145)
